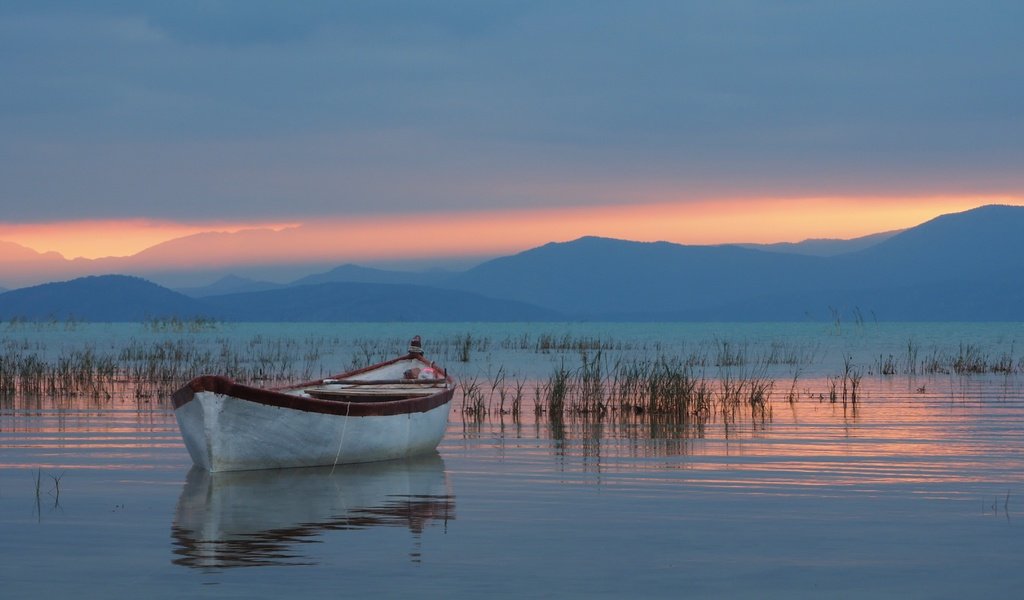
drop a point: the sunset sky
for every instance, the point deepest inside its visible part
(469, 128)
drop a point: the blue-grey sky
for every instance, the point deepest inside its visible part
(193, 110)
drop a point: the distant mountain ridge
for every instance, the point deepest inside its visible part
(229, 284)
(966, 266)
(932, 271)
(983, 244)
(343, 301)
(249, 253)
(596, 277)
(356, 274)
(11, 252)
(825, 247)
(121, 298)
(105, 298)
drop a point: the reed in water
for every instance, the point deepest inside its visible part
(593, 375)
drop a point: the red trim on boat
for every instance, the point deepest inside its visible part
(277, 397)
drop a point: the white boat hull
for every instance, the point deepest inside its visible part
(223, 433)
(382, 412)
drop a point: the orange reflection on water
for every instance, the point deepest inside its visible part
(85, 433)
(895, 434)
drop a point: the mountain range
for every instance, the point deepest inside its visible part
(965, 266)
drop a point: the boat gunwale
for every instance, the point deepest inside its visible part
(279, 397)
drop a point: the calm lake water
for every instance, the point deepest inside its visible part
(916, 491)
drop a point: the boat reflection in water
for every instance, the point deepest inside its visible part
(259, 518)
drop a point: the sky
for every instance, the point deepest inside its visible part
(490, 127)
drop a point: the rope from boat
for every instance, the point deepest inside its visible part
(344, 427)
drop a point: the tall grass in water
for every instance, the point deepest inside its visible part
(664, 387)
(845, 387)
(147, 368)
(556, 391)
(179, 325)
(793, 395)
(590, 388)
(911, 359)
(78, 372)
(465, 346)
(729, 354)
(597, 375)
(886, 365)
(674, 388)
(739, 395)
(473, 400)
(970, 360)
(547, 343)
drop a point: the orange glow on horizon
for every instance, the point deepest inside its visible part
(106, 238)
(711, 222)
(406, 236)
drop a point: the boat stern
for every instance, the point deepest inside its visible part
(196, 420)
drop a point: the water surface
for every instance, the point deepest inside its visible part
(916, 490)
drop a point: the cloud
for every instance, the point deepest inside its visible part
(271, 110)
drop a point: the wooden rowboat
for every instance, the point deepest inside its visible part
(390, 410)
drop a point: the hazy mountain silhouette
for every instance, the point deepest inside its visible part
(206, 253)
(112, 298)
(229, 284)
(984, 244)
(825, 246)
(18, 263)
(342, 301)
(350, 273)
(11, 252)
(964, 266)
(99, 298)
(597, 277)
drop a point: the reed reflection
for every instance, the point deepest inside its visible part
(924, 434)
(262, 518)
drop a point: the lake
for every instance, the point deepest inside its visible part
(916, 489)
